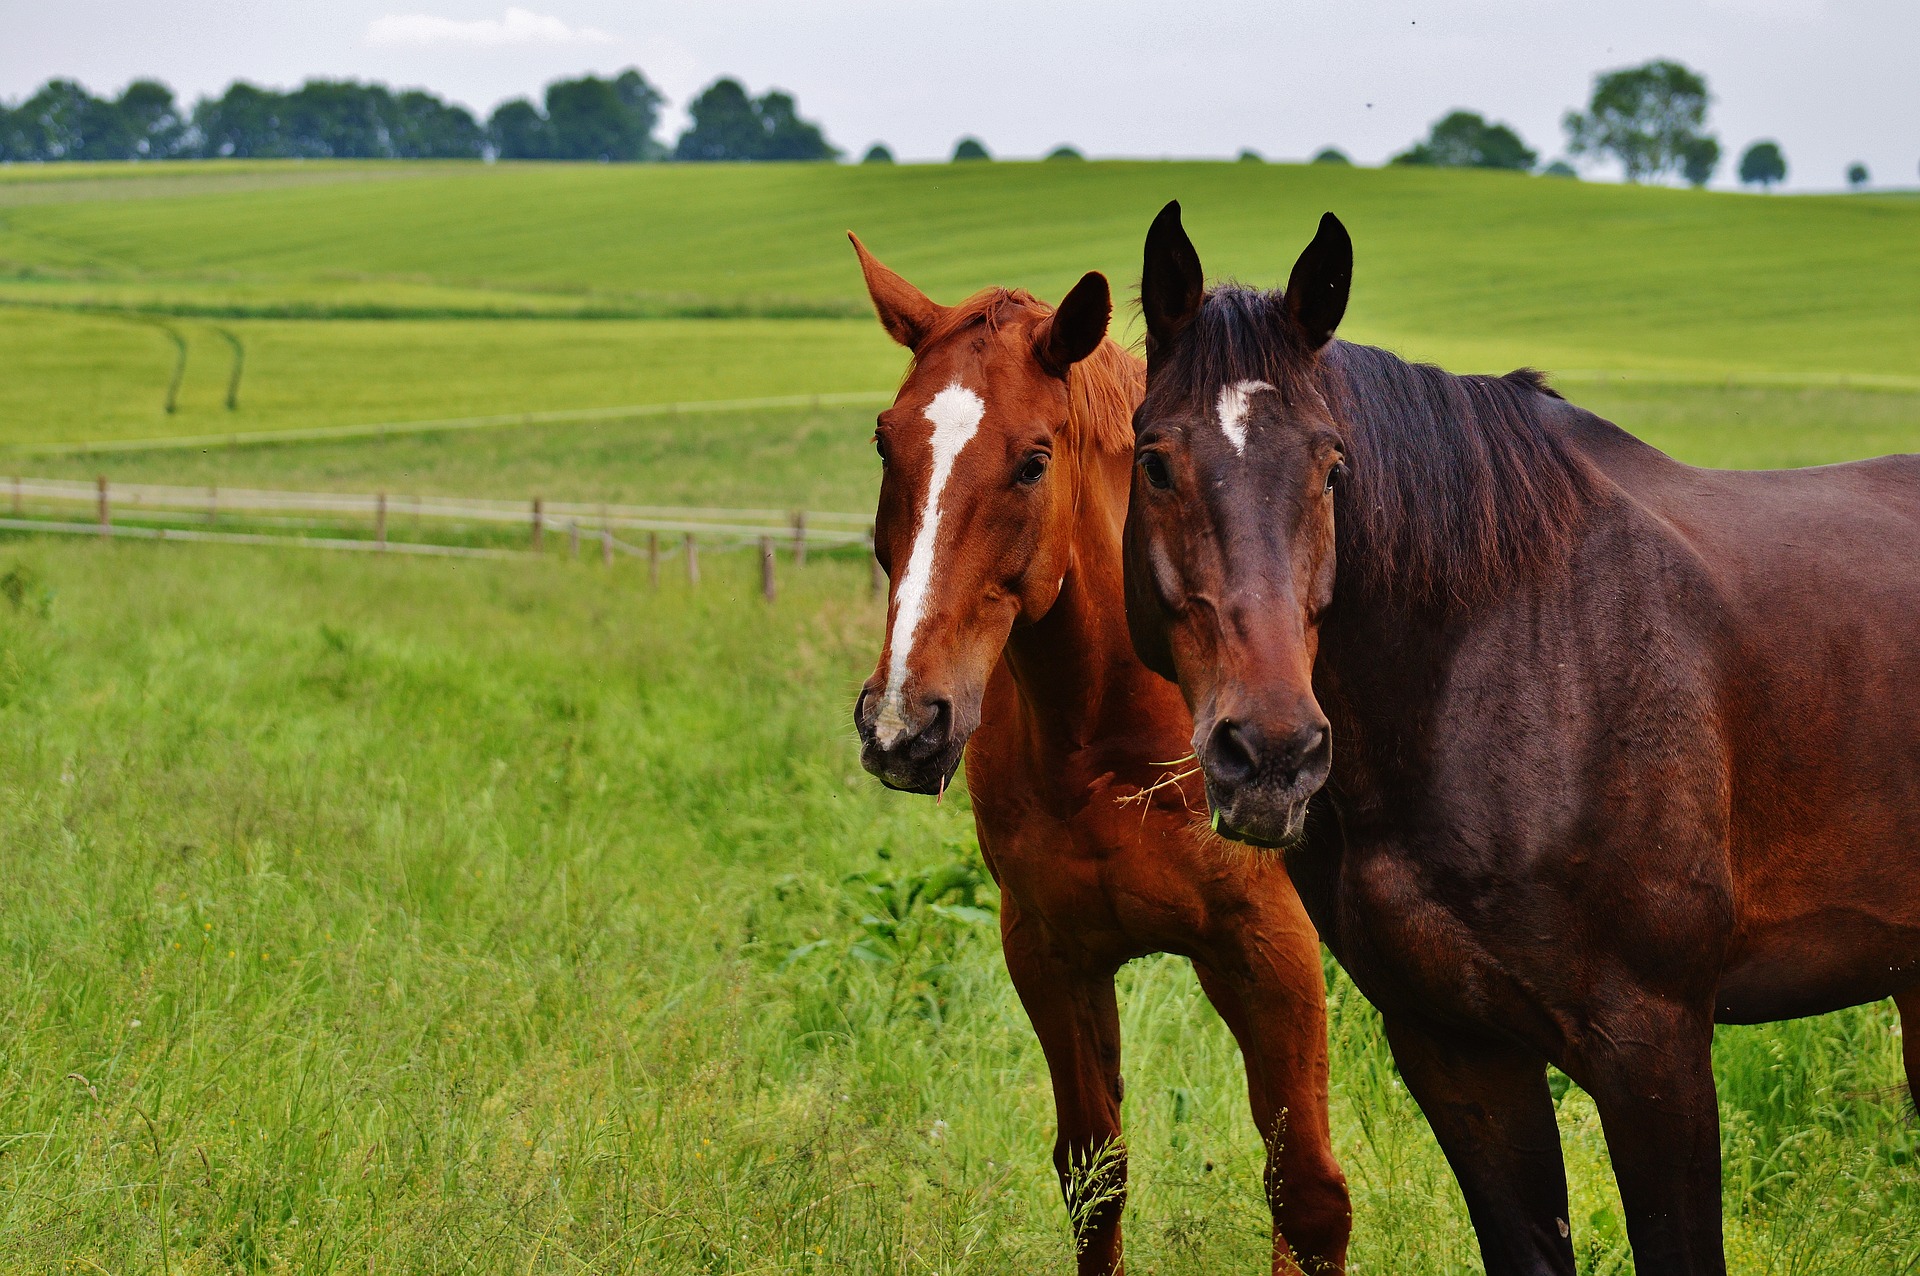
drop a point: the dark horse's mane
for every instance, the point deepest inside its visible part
(1457, 483)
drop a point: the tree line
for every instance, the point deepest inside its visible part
(1651, 118)
(589, 118)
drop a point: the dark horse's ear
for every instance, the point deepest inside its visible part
(1171, 283)
(1077, 328)
(905, 312)
(1318, 287)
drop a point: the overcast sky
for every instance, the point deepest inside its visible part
(1833, 81)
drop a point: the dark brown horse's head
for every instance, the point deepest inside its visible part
(975, 521)
(1230, 525)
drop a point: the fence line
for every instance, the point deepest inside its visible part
(695, 527)
(382, 429)
(254, 538)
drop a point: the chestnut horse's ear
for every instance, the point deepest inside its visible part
(1172, 285)
(1077, 328)
(1317, 289)
(905, 312)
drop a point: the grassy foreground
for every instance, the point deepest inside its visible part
(405, 916)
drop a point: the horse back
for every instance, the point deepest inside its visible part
(1794, 598)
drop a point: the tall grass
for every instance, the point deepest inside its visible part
(503, 917)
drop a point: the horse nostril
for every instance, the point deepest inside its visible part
(1232, 752)
(933, 735)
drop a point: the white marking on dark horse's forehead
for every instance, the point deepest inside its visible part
(1232, 407)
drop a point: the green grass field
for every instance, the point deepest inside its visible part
(450, 916)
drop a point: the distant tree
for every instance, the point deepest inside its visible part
(970, 148)
(1064, 153)
(877, 154)
(1857, 175)
(1763, 165)
(1463, 139)
(517, 130)
(1331, 155)
(421, 126)
(1698, 158)
(730, 125)
(606, 120)
(1560, 168)
(1251, 156)
(154, 124)
(1645, 116)
(243, 122)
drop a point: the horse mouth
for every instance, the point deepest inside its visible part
(1282, 834)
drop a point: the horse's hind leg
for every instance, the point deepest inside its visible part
(1077, 1019)
(1275, 1005)
(1908, 1004)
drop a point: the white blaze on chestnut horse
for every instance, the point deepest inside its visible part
(1006, 458)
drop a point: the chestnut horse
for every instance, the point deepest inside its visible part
(1003, 492)
(1599, 748)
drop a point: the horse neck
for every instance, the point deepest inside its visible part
(1076, 663)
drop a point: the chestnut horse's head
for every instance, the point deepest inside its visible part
(976, 515)
(1230, 526)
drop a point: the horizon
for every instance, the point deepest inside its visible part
(1824, 78)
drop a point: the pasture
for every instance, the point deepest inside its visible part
(449, 916)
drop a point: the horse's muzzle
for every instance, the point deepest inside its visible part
(912, 746)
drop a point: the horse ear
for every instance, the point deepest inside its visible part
(1077, 328)
(905, 312)
(1172, 285)
(1321, 280)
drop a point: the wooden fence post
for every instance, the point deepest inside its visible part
(213, 504)
(539, 523)
(693, 559)
(106, 507)
(799, 538)
(876, 575)
(766, 568)
(380, 521)
(573, 539)
(17, 511)
(653, 559)
(606, 547)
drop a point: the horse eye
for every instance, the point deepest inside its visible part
(1154, 466)
(1337, 473)
(1035, 467)
(880, 446)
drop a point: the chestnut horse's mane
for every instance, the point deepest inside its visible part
(1102, 389)
(1458, 483)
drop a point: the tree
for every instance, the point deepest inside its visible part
(1251, 156)
(730, 125)
(1698, 158)
(1331, 155)
(877, 154)
(970, 148)
(1763, 165)
(1647, 117)
(606, 120)
(1463, 139)
(1064, 153)
(1560, 168)
(517, 130)
(1857, 175)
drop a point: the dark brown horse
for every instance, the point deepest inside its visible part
(1004, 490)
(1572, 750)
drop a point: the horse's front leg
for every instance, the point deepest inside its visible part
(1908, 1004)
(1274, 1000)
(1489, 1106)
(1070, 1000)
(1649, 1068)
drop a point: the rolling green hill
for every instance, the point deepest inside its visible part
(303, 261)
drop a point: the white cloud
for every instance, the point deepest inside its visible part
(515, 26)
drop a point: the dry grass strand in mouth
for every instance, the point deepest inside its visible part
(1171, 779)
